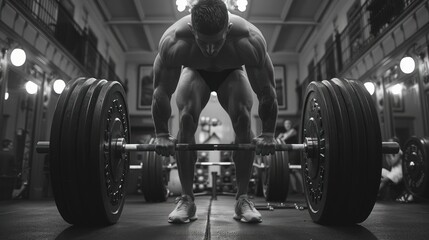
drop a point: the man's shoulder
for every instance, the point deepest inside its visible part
(177, 38)
(240, 27)
(248, 41)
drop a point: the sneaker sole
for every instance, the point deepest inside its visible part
(193, 218)
(242, 219)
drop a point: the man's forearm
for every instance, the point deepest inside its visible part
(161, 111)
(268, 111)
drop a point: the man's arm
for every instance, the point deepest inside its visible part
(261, 78)
(165, 83)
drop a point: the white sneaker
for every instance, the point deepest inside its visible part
(245, 210)
(185, 210)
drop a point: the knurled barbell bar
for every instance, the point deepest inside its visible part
(310, 147)
(89, 151)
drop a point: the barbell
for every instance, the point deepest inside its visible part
(309, 147)
(89, 151)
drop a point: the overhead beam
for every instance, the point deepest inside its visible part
(103, 9)
(146, 29)
(318, 18)
(120, 38)
(278, 28)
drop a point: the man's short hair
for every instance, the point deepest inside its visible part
(209, 16)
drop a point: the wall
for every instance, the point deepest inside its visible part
(107, 44)
(315, 47)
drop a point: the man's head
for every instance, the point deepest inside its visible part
(210, 25)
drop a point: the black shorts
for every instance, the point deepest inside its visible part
(215, 79)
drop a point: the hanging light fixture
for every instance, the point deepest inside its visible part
(239, 5)
(6, 96)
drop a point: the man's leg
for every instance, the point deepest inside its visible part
(235, 96)
(192, 95)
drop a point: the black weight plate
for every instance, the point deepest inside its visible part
(373, 146)
(94, 214)
(55, 156)
(275, 179)
(259, 171)
(109, 169)
(154, 183)
(69, 164)
(357, 201)
(318, 170)
(415, 166)
(336, 192)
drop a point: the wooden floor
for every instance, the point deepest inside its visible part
(25, 219)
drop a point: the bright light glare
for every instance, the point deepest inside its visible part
(6, 95)
(370, 87)
(231, 4)
(181, 5)
(31, 87)
(18, 57)
(59, 86)
(407, 65)
(241, 5)
(214, 94)
(397, 89)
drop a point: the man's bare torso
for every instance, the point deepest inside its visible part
(244, 45)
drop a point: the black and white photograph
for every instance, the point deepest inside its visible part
(214, 119)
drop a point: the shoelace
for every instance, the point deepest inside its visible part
(182, 200)
(242, 202)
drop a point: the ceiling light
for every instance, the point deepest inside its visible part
(18, 57)
(241, 5)
(397, 89)
(407, 65)
(370, 87)
(59, 86)
(31, 87)
(181, 5)
(230, 4)
(6, 95)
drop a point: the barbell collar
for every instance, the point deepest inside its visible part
(390, 147)
(42, 147)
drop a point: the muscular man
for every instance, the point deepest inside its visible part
(213, 50)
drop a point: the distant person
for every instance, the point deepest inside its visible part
(7, 159)
(290, 136)
(7, 170)
(392, 180)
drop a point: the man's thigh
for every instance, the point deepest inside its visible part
(192, 93)
(235, 93)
